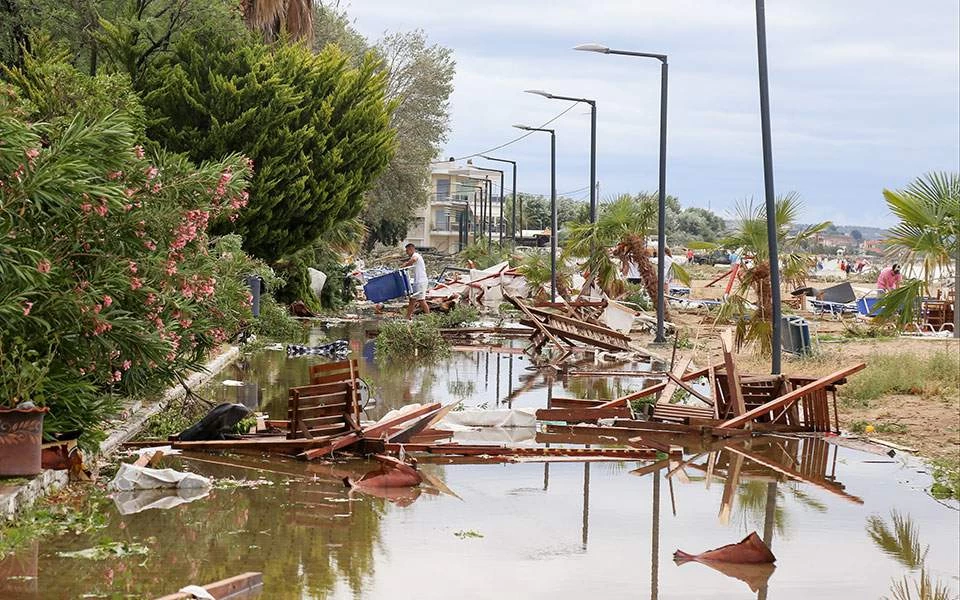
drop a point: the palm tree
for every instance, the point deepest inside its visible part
(750, 234)
(622, 224)
(928, 234)
(271, 17)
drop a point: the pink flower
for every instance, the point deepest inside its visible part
(150, 245)
(117, 375)
(133, 267)
(43, 266)
(152, 172)
(32, 153)
(26, 308)
(114, 175)
(135, 283)
(107, 300)
(138, 151)
(102, 210)
(86, 207)
(126, 365)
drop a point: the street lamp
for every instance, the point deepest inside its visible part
(768, 187)
(593, 144)
(553, 206)
(466, 225)
(513, 218)
(662, 221)
(490, 201)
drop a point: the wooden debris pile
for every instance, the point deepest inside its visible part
(731, 404)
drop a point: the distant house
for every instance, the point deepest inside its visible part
(447, 222)
(836, 240)
(873, 247)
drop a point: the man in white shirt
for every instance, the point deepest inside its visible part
(419, 282)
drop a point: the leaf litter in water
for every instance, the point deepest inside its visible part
(469, 533)
(105, 551)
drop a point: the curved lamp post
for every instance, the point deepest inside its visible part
(513, 218)
(553, 206)
(593, 143)
(662, 221)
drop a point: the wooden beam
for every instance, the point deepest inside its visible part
(734, 392)
(579, 415)
(676, 373)
(653, 389)
(225, 588)
(790, 397)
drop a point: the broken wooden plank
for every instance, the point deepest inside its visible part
(267, 444)
(790, 397)
(734, 391)
(522, 451)
(573, 403)
(332, 446)
(232, 587)
(377, 429)
(625, 400)
(580, 415)
(676, 373)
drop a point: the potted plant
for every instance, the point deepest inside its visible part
(22, 376)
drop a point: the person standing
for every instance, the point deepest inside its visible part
(418, 284)
(889, 278)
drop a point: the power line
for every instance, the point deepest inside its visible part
(513, 141)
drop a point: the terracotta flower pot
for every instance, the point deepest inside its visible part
(21, 435)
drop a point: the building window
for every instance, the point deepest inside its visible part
(441, 219)
(443, 188)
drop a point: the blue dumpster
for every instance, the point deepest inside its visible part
(387, 287)
(796, 335)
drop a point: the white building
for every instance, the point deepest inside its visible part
(448, 223)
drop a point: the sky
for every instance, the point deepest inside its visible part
(864, 94)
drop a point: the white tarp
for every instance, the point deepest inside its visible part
(317, 280)
(495, 435)
(131, 477)
(129, 503)
(501, 417)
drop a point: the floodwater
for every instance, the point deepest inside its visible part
(528, 530)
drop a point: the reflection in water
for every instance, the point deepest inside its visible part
(900, 540)
(313, 539)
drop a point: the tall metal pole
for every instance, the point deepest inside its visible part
(500, 217)
(553, 216)
(662, 220)
(593, 162)
(768, 187)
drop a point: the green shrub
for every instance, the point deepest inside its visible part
(637, 295)
(406, 340)
(458, 316)
(946, 475)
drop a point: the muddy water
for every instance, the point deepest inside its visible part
(529, 530)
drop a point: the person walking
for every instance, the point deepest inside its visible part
(418, 284)
(889, 278)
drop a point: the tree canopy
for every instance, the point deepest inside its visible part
(316, 128)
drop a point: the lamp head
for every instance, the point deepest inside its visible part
(524, 127)
(539, 93)
(593, 48)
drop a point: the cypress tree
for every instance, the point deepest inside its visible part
(316, 127)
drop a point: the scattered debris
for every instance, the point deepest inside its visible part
(106, 551)
(337, 349)
(131, 477)
(216, 424)
(749, 550)
(244, 585)
(392, 473)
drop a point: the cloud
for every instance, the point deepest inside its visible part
(864, 94)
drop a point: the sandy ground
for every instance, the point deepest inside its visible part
(932, 422)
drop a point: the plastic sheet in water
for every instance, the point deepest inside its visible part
(129, 503)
